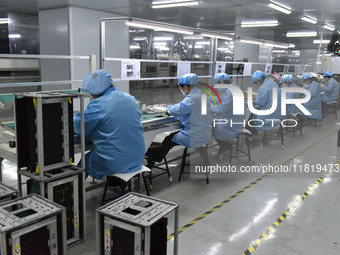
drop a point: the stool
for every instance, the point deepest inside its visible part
(333, 105)
(154, 147)
(126, 177)
(244, 133)
(313, 120)
(202, 150)
(298, 117)
(280, 132)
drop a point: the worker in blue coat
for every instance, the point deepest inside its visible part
(264, 101)
(112, 122)
(331, 88)
(196, 128)
(288, 80)
(225, 133)
(314, 104)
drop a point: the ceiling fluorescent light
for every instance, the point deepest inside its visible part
(301, 34)
(200, 46)
(134, 47)
(163, 38)
(224, 49)
(309, 19)
(323, 41)
(224, 37)
(280, 7)
(276, 45)
(5, 21)
(161, 4)
(158, 27)
(193, 37)
(14, 36)
(139, 38)
(263, 23)
(206, 43)
(279, 51)
(160, 44)
(291, 45)
(329, 27)
(251, 42)
(169, 1)
(162, 48)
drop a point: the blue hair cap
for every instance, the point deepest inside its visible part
(289, 78)
(188, 79)
(327, 74)
(257, 76)
(97, 82)
(221, 77)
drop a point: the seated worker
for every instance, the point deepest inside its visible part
(314, 104)
(288, 80)
(264, 101)
(112, 122)
(196, 128)
(224, 134)
(331, 88)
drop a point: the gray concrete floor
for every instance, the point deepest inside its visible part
(312, 228)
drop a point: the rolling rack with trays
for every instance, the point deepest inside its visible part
(32, 225)
(135, 224)
(7, 193)
(45, 153)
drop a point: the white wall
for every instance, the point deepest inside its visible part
(75, 31)
(54, 40)
(308, 55)
(84, 40)
(249, 51)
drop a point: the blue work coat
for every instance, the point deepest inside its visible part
(314, 104)
(112, 121)
(331, 91)
(196, 130)
(264, 100)
(227, 132)
(291, 108)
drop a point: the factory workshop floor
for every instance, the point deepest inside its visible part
(276, 213)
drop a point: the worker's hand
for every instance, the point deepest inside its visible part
(166, 112)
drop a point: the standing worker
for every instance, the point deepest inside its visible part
(314, 104)
(112, 122)
(196, 128)
(331, 88)
(224, 134)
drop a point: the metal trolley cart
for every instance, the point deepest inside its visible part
(45, 153)
(134, 225)
(32, 225)
(7, 193)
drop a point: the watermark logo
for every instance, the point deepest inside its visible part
(238, 100)
(208, 92)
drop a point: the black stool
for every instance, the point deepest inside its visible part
(203, 151)
(124, 179)
(330, 105)
(280, 132)
(299, 118)
(153, 148)
(307, 120)
(245, 133)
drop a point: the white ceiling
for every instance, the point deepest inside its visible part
(222, 15)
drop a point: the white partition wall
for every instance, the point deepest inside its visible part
(54, 40)
(75, 31)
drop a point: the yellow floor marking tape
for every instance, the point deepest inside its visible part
(290, 209)
(207, 213)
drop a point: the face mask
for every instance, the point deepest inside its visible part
(183, 93)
